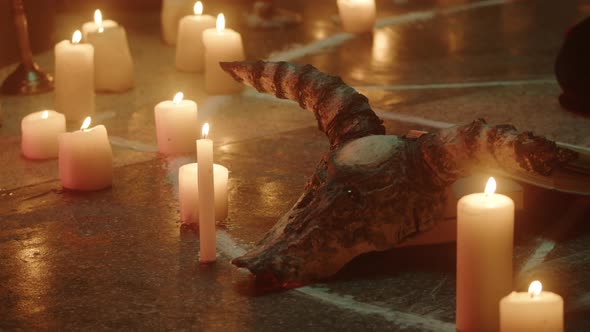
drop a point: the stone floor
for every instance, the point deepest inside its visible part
(116, 259)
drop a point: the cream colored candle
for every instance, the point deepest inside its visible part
(40, 133)
(113, 65)
(357, 16)
(74, 78)
(176, 125)
(535, 310)
(172, 12)
(206, 198)
(190, 51)
(97, 24)
(221, 44)
(85, 158)
(485, 230)
(188, 194)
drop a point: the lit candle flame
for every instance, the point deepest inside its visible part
(535, 288)
(76, 37)
(205, 131)
(98, 17)
(178, 98)
(220, 24)
(490, 187)
(198, 8)
(44, 115)
(86, 123)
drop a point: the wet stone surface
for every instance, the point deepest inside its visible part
(117, 260)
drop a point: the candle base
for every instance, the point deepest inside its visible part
(27, 81)
(207, 261)
(192, 227)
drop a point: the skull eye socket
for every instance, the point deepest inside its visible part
(352, 193)
(350, 201)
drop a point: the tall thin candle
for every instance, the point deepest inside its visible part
(206, 197)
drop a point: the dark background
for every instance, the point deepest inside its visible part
(41, 19)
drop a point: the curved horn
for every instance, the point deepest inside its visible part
(341, 112)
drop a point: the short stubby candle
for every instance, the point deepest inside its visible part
(221, 44)
(535, 310)
(86, 158)
(485, 231)
(40, 134)
(190, 51)
(176, 125)
(206, 189)
(74, 78)
(172, 12)
(97, 24)
(357, 16)
(188, 192)
(113, 64)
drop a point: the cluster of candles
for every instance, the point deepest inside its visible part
(96, 59)
(85, 155)
(85, 161)
(201, 43)
(485, 221)
(485, 232)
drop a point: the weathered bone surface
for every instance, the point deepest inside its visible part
(372, 191)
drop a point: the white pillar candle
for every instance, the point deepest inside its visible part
(94, 26)
(206, 197)
(485, 230)
(190, 51)
(221, 44)
(85, 158)
(172, 12)
(40, 134)
(113, 65)
(176, 125)
(535, 310)
(188, 192)
(74, 78)
(357, 16)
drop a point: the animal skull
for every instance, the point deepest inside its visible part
(371, 191)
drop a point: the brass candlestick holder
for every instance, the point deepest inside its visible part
(27, 78)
